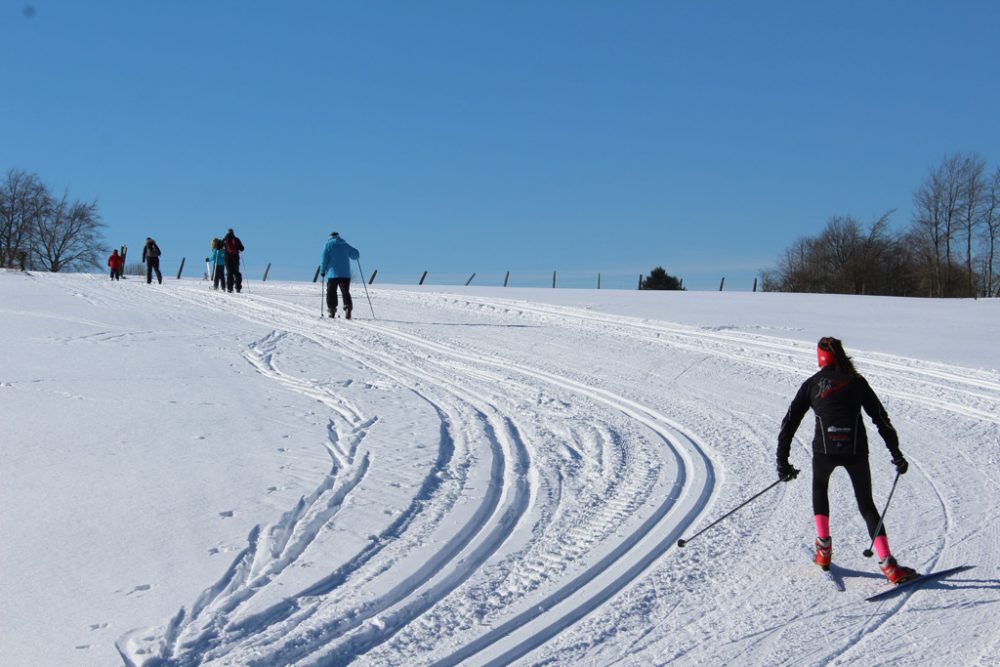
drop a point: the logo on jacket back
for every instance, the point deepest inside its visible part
(828, 387)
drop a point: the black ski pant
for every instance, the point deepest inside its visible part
(233, 276)
(153, 264)
(115, 274)
(219, 276)
(331, 293)
(861, 479)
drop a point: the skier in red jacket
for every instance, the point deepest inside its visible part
(116, 262)
(837, 394)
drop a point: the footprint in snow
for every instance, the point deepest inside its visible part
(141, 588)
(228, 514)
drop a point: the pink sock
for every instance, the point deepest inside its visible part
(822, 526)
(882, 547)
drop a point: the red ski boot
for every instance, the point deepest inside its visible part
(895, 572)
(824, 552)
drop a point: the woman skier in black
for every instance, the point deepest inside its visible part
(837, 394)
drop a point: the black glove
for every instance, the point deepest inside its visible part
(787, 472)
(901, 465)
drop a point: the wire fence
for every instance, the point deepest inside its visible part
(179, 267)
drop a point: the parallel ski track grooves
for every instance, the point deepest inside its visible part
(893, 368)
(507, 501)
(688, 454)
(683, 337)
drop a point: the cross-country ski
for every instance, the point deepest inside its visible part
(916, 581)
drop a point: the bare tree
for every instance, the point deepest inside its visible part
(991, 227)
(68, 237)
(938, 204)
(846, 258)
(24, 200)
(973, 191)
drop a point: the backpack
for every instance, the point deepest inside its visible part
(232, 244)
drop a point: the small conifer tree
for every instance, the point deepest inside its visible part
(658, 278)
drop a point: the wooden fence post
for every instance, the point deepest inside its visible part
(598, 281)
(553, 279)
(422, 278)
(372, 279)
(721, 284)
(640, 282)
(505, 278)
(754, 284)
(316, 275)
(470, 279)
(266, 271)
(180, 269)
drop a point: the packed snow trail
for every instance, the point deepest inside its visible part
(498, 481)
(393, 610)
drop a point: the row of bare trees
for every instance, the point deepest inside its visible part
(949, 250)
(41, 231)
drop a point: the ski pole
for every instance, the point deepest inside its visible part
(365, 285)
(868, 552)
(240, 266)
(681, 543)
(322, 299)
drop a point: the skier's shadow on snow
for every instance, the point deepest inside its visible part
(840, 571)
(953, 584)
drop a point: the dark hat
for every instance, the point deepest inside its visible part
(334, 234)
(229, 231)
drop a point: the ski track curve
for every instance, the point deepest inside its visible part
(212, 633)
(507, 497)
(376, 633)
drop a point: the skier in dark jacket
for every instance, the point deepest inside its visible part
(837, 394)
(335, 265)
(233, 247)
(151, 258)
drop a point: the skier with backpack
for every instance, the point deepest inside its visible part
(335, 266)
(837, 393)
(233, 247)
(151, 258)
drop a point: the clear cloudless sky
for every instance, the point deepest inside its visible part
(468, 136)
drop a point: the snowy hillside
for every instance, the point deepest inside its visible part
(478, 476)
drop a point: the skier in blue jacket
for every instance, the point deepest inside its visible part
(335, 266)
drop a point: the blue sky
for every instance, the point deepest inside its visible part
(460, 137)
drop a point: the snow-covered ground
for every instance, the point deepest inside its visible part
(477, 476)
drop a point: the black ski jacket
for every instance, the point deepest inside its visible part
(837, 400)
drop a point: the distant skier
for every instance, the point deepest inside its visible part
(335, 265)
(151, 257)
(116, 262)
(233, 247)
(837, 394)
(217, 261)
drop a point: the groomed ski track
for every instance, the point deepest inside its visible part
(546, 525)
